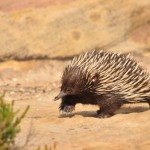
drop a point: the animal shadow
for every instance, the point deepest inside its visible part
(82, 113)
(128, 110)
(124, 110)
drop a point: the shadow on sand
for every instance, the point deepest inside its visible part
(124, 110)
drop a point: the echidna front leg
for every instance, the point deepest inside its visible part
(66, 108)
(108, 106)
(67, 105)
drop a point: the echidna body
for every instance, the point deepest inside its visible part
(106, 79)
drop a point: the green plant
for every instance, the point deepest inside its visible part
(9, 123)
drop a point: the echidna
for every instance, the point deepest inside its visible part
(106, 79)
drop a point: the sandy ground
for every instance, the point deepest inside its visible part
(35, 83)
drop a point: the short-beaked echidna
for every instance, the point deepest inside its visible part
(106, 79)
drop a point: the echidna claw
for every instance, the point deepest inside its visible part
(103, 115)
(67, 109)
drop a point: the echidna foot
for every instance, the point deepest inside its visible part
(103, 114)
(67, 109)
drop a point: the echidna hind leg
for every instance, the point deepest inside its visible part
(108, 107)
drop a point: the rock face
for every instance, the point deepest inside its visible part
(41, 29)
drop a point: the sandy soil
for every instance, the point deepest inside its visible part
(35, 83)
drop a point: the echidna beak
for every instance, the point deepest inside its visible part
(60, 95)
